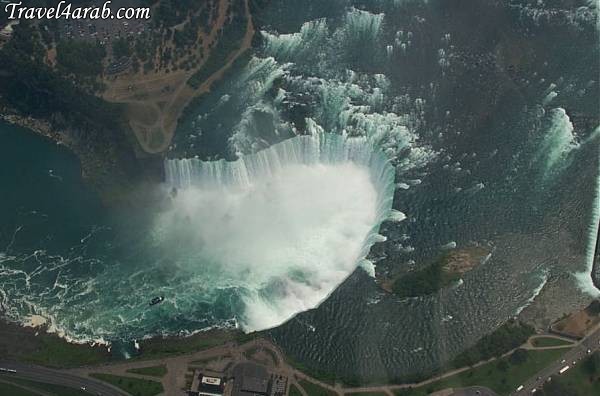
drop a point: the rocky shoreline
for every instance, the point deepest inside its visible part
(454, 263)
(40, 127)
(112, 167)
(34, 342)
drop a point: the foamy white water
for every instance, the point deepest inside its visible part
(286, 225)
(585, 279)
(558, 143)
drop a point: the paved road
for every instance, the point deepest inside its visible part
(177, 365)
(57, 377)
(576, 354)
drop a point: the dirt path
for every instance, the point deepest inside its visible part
(300, 388)
(529, 345)
(155, 103)
(185, 93)
(174, 381)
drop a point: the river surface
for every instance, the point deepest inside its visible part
(488, 114)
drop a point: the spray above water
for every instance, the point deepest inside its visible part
(590, 278)
(283, 227)
(559, 141)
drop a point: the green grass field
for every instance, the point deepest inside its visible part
(314, 389)
(133, 386)
(57, 390)
(49, 350)
(155, 348)
(13, 390)
(153, 371)
(582, 379)
(503, 378)
(58, 353)
(541, 342)
(294, 391)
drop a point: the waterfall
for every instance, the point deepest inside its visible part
(558, 143)
(286, 225)
(594, 229)
(589, 279)
(307, 150)
(363, 25)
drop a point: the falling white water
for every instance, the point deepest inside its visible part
(585, 278)
(559, 141)
(284, 226)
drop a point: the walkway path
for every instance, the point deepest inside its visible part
(177, 366)
(57, 377)
(156, 102)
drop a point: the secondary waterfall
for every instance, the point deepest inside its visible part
(590, 279)
(284, 226)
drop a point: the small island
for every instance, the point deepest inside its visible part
(442, 272)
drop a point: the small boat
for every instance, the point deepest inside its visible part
(157, 300)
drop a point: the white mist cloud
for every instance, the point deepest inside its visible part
(286, 240)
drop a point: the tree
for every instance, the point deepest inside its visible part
(518, 357)
(80, 57)
(502, 365)
(120, 48)
(591, 365)
(557, 388)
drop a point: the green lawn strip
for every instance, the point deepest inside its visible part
(13, 390)
(201, 362)
(159, 347)
(582, 379)
(133, 386)
(55, 352)
(315, 390)
(510, 335)
(541, 342)
(58, 390)
(294, 391)
(502, 378)
(51, 351)
(368, 394)
(153, 371)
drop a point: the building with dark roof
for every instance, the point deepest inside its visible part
(250, 379)
(206, 385)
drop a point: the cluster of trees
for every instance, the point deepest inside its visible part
(229, 40)
(186, 36)
(174, 12)
(153, 50)
(560, 386)
(82, 58)
(508, 336)
(31, 87)
(516, 358)
(426, 281)
(144, 48)
(121, 48)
